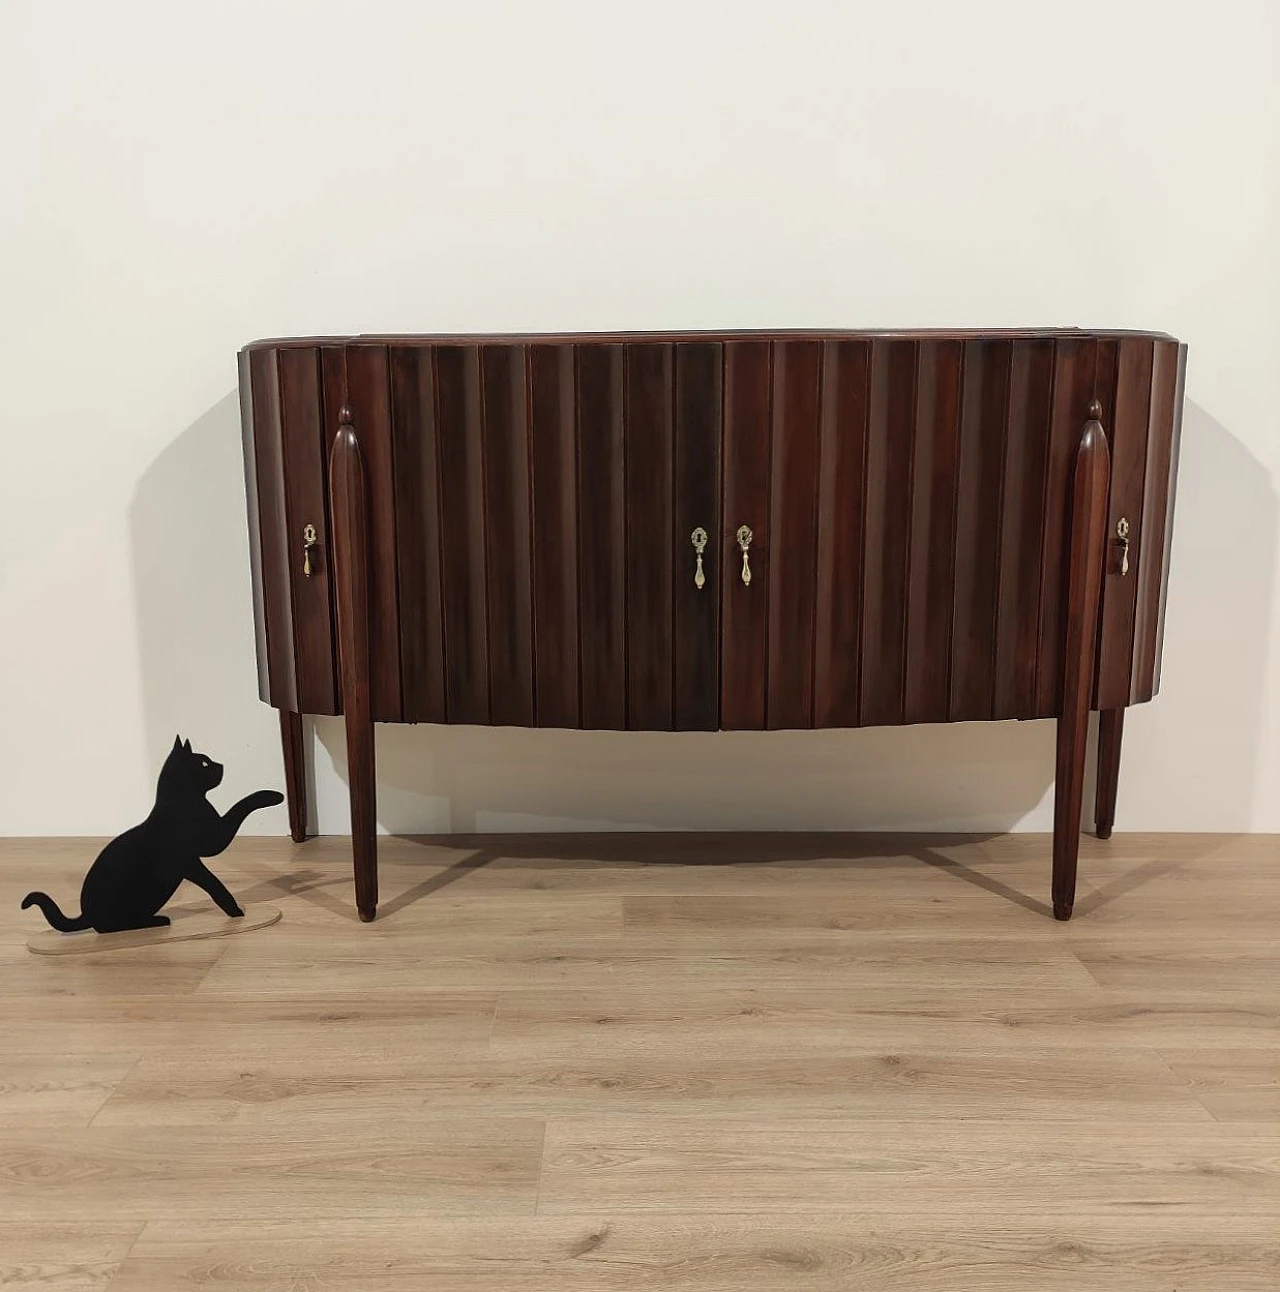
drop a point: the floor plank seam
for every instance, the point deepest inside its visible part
(111, 1094)
(1189, 1085)
(493, 1022)
(542, 1166)
(217, 960)
(1093, 977)
(125, 1255)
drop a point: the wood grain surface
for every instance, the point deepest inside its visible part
(700, 1062)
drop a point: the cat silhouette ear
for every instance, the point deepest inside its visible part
(177, 742)
(186, 744)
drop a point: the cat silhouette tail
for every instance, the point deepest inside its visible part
(54, 915)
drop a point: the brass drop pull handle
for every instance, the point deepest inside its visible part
(699, 540)
(308, 542)
(744, 542)
(1122, 537)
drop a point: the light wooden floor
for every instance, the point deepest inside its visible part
(821, 1063)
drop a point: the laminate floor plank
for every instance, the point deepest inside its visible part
(921, 1167)
(201, 1087)
(572, 1023)
(418, 1022)
(619, 1252)
(859, 963)
(454, 1166)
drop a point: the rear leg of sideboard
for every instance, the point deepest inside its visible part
(295, 773)
(349, 503)
(1110, 729)
(1086, 549)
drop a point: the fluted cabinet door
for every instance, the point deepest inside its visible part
(509, 574)
(461, 521)
(602, 536)
(886, 530)
(368, 395)
(553, 476)
(984, 409)
(1021, 518)
(837, 657)
(417, 501)
(698, 420)
(793, 531)
(1074, 385)
(282, 391)
(931, 541)
(744, 605)
(650, 522)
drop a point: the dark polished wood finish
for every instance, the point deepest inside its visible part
(934, 491)
(745, 607)
(1110, 731)
(793, 533)
(602, 538)
(697, 488)
(415, 453)
(553, 458)
(349, 494)
(945, 526)
(1085, 547)
(887, 531)
(838, 617)
(650, 524)
(295, 773)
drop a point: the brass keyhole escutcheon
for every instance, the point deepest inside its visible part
(308, 542)
(1122, 537)
(744, 542)
(699, 540)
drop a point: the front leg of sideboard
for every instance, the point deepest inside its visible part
(1086, 549)
(350, 507)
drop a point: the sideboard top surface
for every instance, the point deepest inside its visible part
(756, 334)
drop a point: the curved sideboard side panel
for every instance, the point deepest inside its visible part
(285, 439)
(248, 446)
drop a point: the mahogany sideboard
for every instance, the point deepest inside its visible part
(701, 531)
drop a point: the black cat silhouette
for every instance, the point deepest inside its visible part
(138, 872)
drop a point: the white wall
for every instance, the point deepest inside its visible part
(180, 178)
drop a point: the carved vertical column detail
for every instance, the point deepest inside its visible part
(350, 528)
(1085, 551)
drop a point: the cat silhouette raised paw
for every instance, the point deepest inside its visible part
(140, 870)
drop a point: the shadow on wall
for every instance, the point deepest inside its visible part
(1205, 729)
(193, 602)
(465, 779)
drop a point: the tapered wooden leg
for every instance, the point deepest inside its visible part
(295, 773)
(350, 539)
(1084, 585)
(1110, 729)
